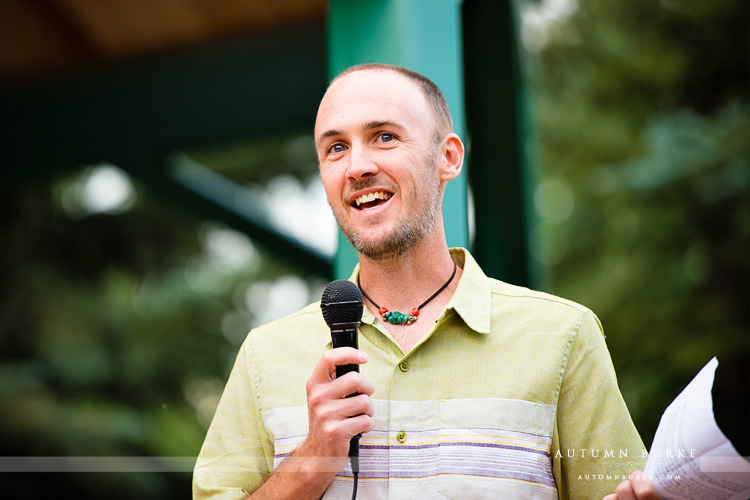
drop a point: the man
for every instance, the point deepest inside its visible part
(480, 389)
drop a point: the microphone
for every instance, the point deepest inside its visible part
(342, 304)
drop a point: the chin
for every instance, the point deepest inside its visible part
(388, 246)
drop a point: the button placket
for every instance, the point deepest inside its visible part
(402, 446)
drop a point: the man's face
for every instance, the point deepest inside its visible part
(375, 140)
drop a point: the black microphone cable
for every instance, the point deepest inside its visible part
(355, 473)
(354, 461)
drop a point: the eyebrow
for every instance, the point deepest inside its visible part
(327, 133)
(373, 124)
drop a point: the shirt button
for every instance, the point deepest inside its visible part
(401, 437)
(403, 366)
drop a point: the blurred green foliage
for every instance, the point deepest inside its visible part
(644, 118)
(118, 329)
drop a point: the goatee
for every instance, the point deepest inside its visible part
(409, 229)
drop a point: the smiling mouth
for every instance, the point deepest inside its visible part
(371, 200)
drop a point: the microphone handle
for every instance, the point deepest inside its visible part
(354, 452)
(347, 337)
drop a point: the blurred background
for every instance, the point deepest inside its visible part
(161, 198)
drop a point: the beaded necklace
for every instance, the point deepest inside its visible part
(399, 318)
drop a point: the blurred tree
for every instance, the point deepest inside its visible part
(121, 318)
(644, 119)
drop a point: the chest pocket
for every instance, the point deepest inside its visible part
(495, 448)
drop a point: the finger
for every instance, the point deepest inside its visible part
(341, 409)
(611, 496)
(624, 491)
(643, 488)
(326, 367)
(356, 425)
(360, 405)
(330, 401)
(350, 383)
(339, 420)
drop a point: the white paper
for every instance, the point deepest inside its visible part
(690, 458)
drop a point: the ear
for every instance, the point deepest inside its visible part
(452, 158)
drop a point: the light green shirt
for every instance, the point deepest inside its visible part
(512, 395)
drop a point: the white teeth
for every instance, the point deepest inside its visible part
(377, 195)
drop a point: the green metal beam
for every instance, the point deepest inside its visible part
(213, 195)
(424, 36)
(198, 96)
(502, 176)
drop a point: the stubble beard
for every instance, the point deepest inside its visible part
(409, 229)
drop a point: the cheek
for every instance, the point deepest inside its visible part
(420, 172)
(332, 187)
(400, 158)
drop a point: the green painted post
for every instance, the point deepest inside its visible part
(424, 36)
(503, 172)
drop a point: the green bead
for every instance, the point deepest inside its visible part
(397, 318)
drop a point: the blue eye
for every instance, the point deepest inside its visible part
(386, 137)
(336, 148)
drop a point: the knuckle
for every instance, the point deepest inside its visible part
(645, 490)
(328, 357)
(315, 399)
(365, 423)
(348, 382)
(364, 403)
(623, 488)
(324, 415)
(355, 379)
(329, 429)
(370, 425)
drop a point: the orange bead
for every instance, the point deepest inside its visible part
(383, 310)
(415, 311)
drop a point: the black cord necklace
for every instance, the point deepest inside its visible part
(399, 318)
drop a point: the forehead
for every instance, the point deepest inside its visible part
(370, 96)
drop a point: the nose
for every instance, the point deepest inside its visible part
(361, 164)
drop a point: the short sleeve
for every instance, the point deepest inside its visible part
(596, 444)
(233, 460)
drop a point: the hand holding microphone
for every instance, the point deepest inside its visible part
(338, 397)
(338, 404)
(341, 304)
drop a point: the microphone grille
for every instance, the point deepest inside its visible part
(341, 302)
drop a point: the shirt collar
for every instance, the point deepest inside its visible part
(471, 300)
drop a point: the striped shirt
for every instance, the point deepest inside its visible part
(512, 395)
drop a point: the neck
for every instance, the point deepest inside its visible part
(418, 274)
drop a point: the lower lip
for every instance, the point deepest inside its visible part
(375, 209)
